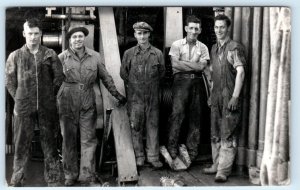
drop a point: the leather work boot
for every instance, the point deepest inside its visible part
(220, 178)
(156, 164)
(69, 182)
(211, 170)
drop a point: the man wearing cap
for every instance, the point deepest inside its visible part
(33, 76)
(77, 108)
(142, 68)
(189, 58)
(228, 73)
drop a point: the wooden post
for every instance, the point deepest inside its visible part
(127, 170)
(174, 25)
(254, 87)
(245, 39)
(276, 39)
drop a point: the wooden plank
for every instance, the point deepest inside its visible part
(254, 87)
(264, 80)
(127, 170)
(174, 25)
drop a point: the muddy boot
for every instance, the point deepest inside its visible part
(211, 170)
(69, 182)
(54, 184)
(156, 164)
(220, 178)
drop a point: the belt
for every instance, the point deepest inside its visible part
(80, 86)
(190, 76)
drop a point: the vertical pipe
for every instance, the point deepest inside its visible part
(283, 156)
(237, 23)
(245, 39)
(276, 38)
(229, 12)
(254, 87)
(264, 76)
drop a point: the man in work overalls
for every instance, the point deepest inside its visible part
(189, 58)
(33, 77)
(83, 67)
(142, 68)
(228, 62)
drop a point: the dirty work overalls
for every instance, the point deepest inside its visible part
(33, 81)
(141, 71)
(224, 123)
(77, 111)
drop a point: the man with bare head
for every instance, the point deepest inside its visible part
(33, 77)
(228, 62)
(189, 57)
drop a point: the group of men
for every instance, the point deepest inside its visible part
(47, 88)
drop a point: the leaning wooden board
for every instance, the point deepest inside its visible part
(109, 49)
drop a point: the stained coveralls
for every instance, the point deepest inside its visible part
(224, 122)
(32, 81)
(189, 97)
(77, 110)
(141, 72)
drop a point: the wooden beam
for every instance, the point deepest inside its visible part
(174, 25)
(127, 170)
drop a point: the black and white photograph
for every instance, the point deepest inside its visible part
(141, 96)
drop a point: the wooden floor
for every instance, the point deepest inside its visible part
(148, 176)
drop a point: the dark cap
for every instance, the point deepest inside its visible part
(143, 26)
(74, 29)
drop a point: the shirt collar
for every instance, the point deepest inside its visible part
(138, 49)
(184, 42)
(25, 48)
(224, 42)
(86, 51)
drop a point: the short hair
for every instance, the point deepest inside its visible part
(32, 22)
(223, 17)
(192, 18)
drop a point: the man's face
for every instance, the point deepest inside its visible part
(77, 40)
(142, 36)
(192, 31)
(32, 35)
(221, 29)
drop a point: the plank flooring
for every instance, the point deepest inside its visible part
(147, 176)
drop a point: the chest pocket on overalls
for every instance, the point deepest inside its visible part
(154, 66)
(90, 73)
(70, 71)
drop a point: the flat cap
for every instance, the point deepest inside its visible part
(77, 28)
(142, 26)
